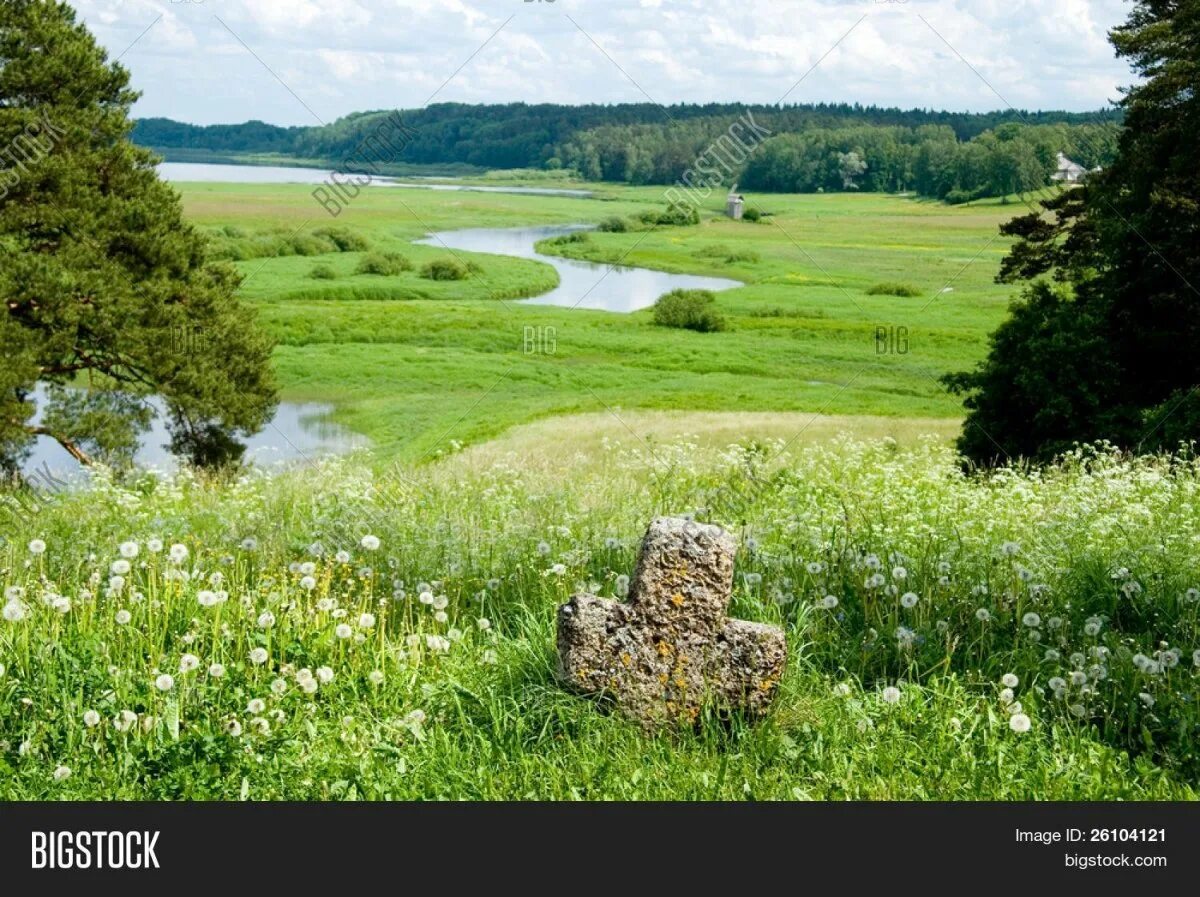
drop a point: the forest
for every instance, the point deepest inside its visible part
(950, 155)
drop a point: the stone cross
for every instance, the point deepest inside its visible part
(670, 649)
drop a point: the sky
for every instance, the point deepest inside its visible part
(307, 62)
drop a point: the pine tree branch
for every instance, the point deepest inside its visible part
(68, 444)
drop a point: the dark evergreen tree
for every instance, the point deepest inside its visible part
(1109, 353)
(104, 285)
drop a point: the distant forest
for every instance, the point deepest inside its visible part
(826, 147)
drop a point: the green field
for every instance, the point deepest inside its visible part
(416, 364)
(382, 626)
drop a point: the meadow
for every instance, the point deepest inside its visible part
(381, 625)
(420, 366)
(349, 632)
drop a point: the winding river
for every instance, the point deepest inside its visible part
(581, 284)
(301, 431)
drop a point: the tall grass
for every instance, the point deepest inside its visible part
(389, 632)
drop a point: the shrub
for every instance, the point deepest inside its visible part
(322, 272)
(310, 244)
(751, 214)
(613, 225)
(267, 246)
(891, 288)
(567, 239)
(385, 264)
(344, 239)
(678, 214)
(445, 269)
(690, 310)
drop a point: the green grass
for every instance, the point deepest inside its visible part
(415, 363)
(398, 717)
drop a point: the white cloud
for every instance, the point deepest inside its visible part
(341, 56)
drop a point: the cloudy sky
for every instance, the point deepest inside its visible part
(309, 61)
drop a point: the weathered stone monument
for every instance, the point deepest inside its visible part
(670, 649)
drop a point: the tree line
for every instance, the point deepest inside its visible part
(944, 154)
(929, 160)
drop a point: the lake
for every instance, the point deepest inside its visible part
(300, 431)
(207, 172)
(581, 284)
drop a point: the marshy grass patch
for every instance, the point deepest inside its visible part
(894, 288)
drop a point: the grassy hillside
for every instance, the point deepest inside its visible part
(281, 652)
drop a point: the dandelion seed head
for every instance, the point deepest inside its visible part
(124, 721)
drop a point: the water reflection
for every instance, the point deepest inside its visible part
(300, 431)
(581, 284)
